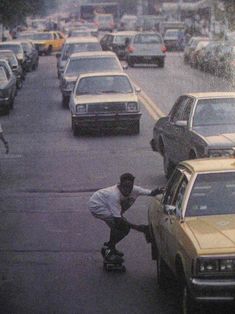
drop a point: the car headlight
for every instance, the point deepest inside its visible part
(221, 152)
(132, 106)
(80, 109)
(207, 266)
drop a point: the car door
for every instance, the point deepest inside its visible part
(174, 226)
(165, 219)
(171, 132)
(183, 134)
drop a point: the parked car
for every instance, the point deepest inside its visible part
(104, 100)
(191, 46)
(198, 125)
(48, 42)
(192, 228)
(31, 54)
(193, 57)
(7, 87)
(171, 40)
(73, 45)
(95, 61)
(15, 66)
(146, 47)
(117, 42)
(17, 48)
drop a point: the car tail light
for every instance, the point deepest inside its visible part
(130, 49)
(233, 63)
(163, 48)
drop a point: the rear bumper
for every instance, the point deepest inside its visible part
(146, 59)
(213, 290)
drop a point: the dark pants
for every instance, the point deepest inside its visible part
(119, 229)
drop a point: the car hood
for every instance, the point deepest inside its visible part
(213, 233)
(217, 134)
(105, 98)
(40, 42)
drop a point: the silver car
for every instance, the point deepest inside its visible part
(85, 62)
(105, 100)
(146, 47)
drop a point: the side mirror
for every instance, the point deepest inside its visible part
(58, 55)
(125, 66)
(181, 123)
(169, 210)
(137, 89)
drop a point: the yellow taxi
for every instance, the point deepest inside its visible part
(192, 227)
(48, 42)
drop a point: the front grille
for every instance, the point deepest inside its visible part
(113, 107)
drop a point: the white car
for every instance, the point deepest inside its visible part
(105, 100)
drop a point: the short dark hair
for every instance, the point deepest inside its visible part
(127, 177)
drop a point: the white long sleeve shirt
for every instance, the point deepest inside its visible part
(106, 202)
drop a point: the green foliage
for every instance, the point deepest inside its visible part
(13, 12)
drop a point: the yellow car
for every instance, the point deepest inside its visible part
(48, 42)
(192, 228)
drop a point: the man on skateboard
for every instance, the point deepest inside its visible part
(109, 205)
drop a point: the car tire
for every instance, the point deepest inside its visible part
(162, 271)
(130, 62)
(49, 51)
(167, 165)
(161, 63)
(75, 129)
(135, 128)
(187, 304)
(65, 101)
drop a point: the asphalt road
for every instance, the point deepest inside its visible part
(50, 259)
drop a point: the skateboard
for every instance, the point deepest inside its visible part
(111, 266)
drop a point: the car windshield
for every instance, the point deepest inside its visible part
(79, 33)
(147, 39)
(172, 33)
(214, 112)
(8, 56)
(26, 36)
(104, 85)
(3, 76)
(15, 48)
(212, 194)
(79, 47)
(77, 66)
(42, 36)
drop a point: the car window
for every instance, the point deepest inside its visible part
(187, 109)
(214, 112)
(172, 187)
(147, 39)
(178, 199)
(212, 194)
(178, 109)
(81, 65)
(3, 76)
(104, 84)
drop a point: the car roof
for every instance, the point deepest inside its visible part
(109, 73)
(10, 42)
(96, 54)
(85, 39)
(210, 164)
(212, 95)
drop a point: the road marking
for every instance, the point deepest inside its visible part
(153, 109)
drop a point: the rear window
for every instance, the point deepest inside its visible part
(75, 67)
(79, 47)
(147, 39)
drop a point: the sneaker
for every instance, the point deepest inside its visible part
(111, 257)
(116, 252)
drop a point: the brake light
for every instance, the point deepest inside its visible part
(130, 49)
(233, 63)
(163, 49)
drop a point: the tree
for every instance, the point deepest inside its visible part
(13, 12)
